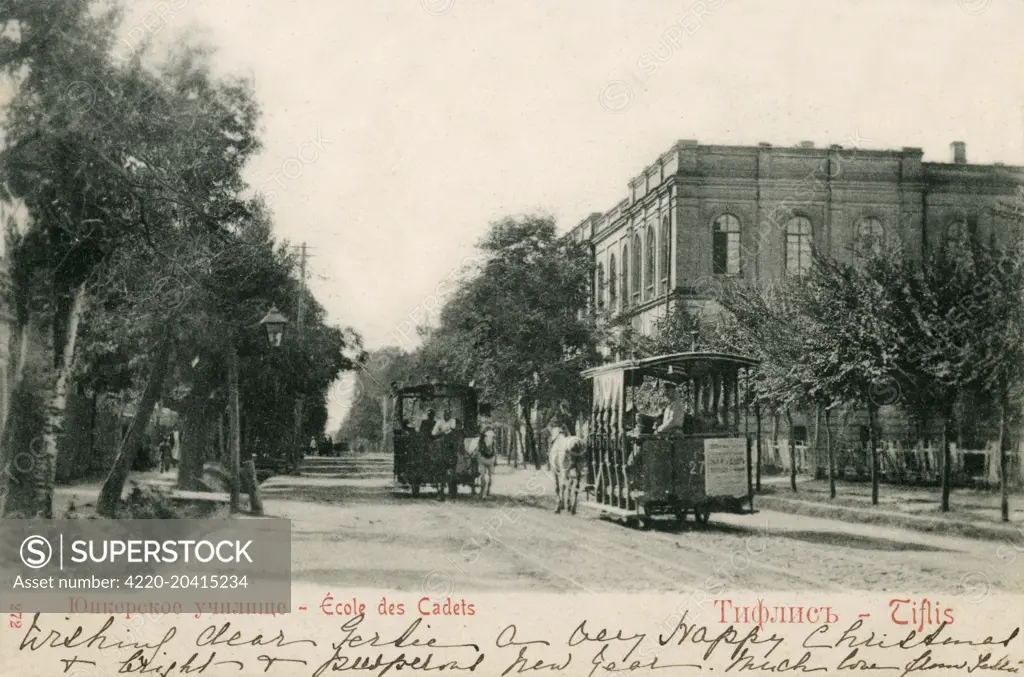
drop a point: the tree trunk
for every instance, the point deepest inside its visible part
(195, 434)
(13, 382)
(873, 451)
(46, 462)
(234, 430)
(93, 406)
(760, 450)
(947, 461)
(828, 455)
(113, 486)
(299, 449)
(529, 440)
(1004, 452)
(792, 452)
(775, 433)
(252, 486)
(817, 437)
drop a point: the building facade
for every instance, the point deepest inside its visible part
(701, 214)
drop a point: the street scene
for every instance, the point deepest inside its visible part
(480, 302)
(515, 541)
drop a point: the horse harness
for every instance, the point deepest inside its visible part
(485, 450)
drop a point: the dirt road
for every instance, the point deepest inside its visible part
(351, 529)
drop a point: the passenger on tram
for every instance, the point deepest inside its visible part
(674, 417)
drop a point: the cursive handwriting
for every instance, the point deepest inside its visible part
(340, 660)
(589, 649)
(212, 636)
(97, 640)
(850, 638)
(685, 633)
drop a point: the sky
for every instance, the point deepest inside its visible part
(396, 131)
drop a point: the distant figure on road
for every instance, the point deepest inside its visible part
(165, 455)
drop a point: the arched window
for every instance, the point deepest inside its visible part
(637, 279)
(798, 245)
(625, 276)
(613, 281)
(870, 236)
(650, 269)
(666, 253)
(599, 287)
(725, 245)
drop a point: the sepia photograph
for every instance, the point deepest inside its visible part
(500, 318)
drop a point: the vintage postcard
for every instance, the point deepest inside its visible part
(535, 338)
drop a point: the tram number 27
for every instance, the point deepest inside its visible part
(697, 466)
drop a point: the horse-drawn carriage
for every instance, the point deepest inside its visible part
(435, 425)
(702, 464)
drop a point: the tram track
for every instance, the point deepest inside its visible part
(702, 575)
(534, 562)
(827, 559)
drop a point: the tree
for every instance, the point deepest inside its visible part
(515, 327)
(132, 179)
(372, 386)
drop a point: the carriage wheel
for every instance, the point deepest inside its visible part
(415, 489)
(702, 515)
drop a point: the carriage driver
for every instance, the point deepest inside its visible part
(675, 413)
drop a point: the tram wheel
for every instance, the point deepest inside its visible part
(702, 515)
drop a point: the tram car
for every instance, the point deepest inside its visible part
(699, 464)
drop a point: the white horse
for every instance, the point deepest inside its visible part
(568, 452)
(485, 456)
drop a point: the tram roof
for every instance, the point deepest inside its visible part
(674, 367)
(435, 388)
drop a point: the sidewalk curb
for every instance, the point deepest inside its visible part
(928, 525)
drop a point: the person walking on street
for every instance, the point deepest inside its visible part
(165, 455)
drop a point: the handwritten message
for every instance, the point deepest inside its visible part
(571, 645)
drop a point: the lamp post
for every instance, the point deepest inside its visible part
(274, 323)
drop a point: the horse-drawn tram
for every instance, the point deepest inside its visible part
(694, 457)
(431, 424)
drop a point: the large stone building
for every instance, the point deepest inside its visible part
(703, 213)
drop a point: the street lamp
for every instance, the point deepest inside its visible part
(274, 322)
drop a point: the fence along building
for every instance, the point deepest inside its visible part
(701, 214)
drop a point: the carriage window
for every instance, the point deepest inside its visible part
(798, 246)
(666, 253)
(725, 245)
